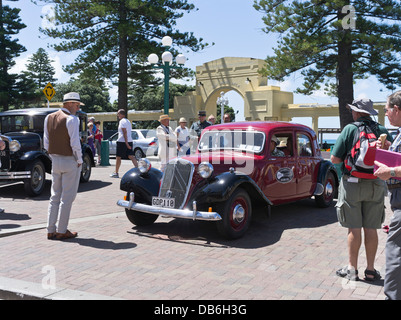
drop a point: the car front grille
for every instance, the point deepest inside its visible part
(176, 181)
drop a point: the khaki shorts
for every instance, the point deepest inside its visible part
(361, 203)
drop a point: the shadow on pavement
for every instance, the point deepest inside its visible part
(16, 191)
(101, 244)
(263, 231)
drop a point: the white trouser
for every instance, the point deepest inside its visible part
(65, 181)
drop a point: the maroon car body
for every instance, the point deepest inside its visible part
(235, 169)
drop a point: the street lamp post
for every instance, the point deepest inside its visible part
(222, 101)
(166, 65)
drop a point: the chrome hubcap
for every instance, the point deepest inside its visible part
(238, 213)
(329, 189)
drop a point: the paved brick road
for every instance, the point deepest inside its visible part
(292, 255)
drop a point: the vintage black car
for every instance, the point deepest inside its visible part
(24, 158)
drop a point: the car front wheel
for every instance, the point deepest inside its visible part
(35, 185)
(236, 215)
(140, 218)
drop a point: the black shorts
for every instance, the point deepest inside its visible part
(123, 151)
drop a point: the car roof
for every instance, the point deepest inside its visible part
(32, 111)
(257, 125)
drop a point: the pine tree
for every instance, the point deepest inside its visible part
(10, 25)
(340, 39)
(40, 69)
(114, 36)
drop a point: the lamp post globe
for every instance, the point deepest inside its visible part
(167, 41)
(181, 59)
(153, 58)
(167, 57)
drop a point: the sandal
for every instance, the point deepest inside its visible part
(67, 235)
(375, 275)
(350, 274)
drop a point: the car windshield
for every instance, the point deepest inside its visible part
(238, 140)
(15, 123)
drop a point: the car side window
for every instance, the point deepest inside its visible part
(283, 144)
(304, 145)
(134, 135)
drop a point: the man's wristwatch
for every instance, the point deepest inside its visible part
(392, 172)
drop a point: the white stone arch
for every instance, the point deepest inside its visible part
(261, 102)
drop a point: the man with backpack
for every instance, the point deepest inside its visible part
(361, 194)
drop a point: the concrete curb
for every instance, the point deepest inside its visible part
(11, 289)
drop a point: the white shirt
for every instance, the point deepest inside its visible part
(124, 123)
(72, 124)
(183, 134)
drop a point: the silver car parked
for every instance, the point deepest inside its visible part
(145, 143)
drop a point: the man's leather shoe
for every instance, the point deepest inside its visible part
(67, 235)
(51, 235)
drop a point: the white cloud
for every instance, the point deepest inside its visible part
(48, 17)
(20, 64)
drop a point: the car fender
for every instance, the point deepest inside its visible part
(325, 167)
(144, 185)
(30, 156)
(221, 187)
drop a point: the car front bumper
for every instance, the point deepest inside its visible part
(15, 175)
(167, 212)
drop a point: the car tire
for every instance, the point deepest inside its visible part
(140, 219)
(330, 190)
(35, 185)
(86, 168)
(236, 215)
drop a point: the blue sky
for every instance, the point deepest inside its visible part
(233, 25)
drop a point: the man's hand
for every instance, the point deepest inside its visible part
(386, 145)
(383, 172)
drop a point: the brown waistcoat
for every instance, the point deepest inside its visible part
(59, 139)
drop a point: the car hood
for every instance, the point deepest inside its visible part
(29, 141)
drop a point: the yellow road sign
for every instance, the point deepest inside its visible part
(49, 91)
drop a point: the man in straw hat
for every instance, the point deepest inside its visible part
(61, 139)
(360, 200)
(167, 140)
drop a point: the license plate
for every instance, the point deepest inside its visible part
(163, 202)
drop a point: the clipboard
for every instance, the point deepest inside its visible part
(389, 158)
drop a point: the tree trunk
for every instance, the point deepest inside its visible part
(123, 61)
(345, 75)
(4, 94)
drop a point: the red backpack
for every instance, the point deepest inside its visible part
(359, 162)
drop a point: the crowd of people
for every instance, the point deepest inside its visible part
(360, 203)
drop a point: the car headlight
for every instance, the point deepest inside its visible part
(205, 170)
(144, 165)
(14, 146)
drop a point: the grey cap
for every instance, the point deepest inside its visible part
(363, 106)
